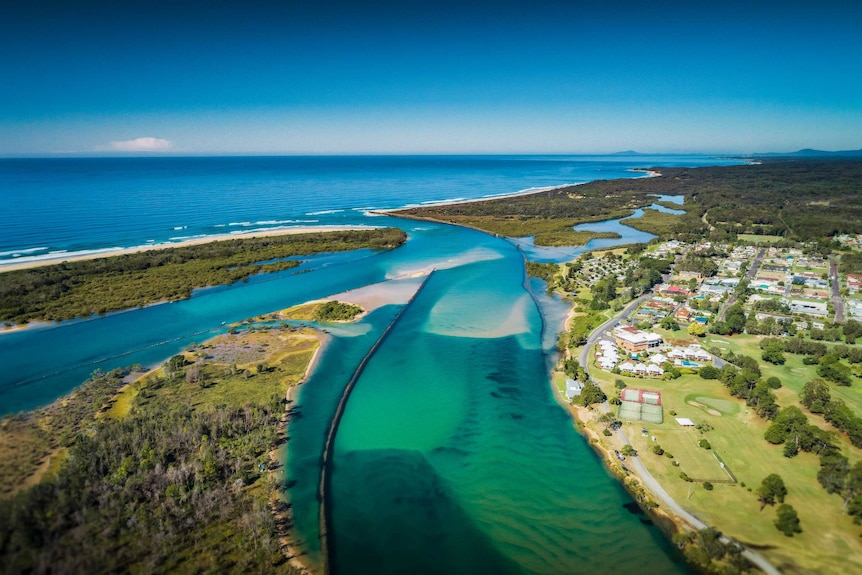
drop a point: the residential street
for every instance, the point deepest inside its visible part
(750, 275)
(837, 302)
(649, 481)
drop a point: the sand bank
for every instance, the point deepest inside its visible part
(525, 192)
(27, 263)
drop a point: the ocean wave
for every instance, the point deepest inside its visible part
(447, 201)
(306, 228)
(180, 228)
(271, 223)
(183, 238)
(18, 253)
(324, 212)
(57, 255)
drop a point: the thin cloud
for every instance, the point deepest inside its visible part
(142, 145)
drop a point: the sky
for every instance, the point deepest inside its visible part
(416, 76)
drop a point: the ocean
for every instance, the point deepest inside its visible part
(453, 455)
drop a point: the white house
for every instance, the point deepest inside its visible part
(573, 388)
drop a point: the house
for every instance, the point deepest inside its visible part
(854, 282)
(682, 314)
(654, 370)
(628, 367)
(573, 388)
(658, 359)
(632, 339)
(608, 363)
(808, 307)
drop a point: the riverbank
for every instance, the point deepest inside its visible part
(278, 498)
(51, 259)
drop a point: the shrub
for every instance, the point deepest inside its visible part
(657, 449)
(684, 476)
(704, 443)
(787, 520)
(708, 486)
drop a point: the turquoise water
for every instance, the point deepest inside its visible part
(452, 456)
(463, 462)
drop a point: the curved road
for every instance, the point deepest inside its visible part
(649, 481)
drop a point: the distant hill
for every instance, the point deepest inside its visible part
(809, 153)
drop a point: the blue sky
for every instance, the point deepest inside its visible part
(507, 76)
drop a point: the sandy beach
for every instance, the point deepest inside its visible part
(27, 263)
(526, 192)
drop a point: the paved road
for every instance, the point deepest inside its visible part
(752, 272)
(600, 331)
(837, 302)
(669, 503)
(649, 481)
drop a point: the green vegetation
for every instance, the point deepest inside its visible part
(787, 520)
(771, 490)
(544, 271)
(82, 288)
(787, 199)
(830, 542)
(755, 239)
(654, 222)
(336, 311)
(180, 482)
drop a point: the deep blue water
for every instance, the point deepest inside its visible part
(453, 455)
(74, 205)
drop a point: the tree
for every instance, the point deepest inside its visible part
(669, 323)
(774, 353)
(832, 369)
(175, 365)
(590, 394)
(608, 420)
(708, 372)
(628, 450)
(815, 395)
(735, 318)
(696, 330)
(771, 489)
(787, 520)
(773, 383)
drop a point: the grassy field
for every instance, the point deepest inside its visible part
(757, 239)
(654, 222)
(236, 369)
(793, 374)
(829, 542)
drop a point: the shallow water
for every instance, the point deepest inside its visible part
(452, 456)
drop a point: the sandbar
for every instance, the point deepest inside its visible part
(27, 263)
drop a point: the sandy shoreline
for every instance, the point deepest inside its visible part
(279, 500)
(526, 192)
(11, 265)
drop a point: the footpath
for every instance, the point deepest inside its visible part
(649, 482)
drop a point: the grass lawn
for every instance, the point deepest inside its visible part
(756, 239)
(829, 542)
(793, 373)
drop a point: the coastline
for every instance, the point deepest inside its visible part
(14, 265)
(524, 192)
(279, 501)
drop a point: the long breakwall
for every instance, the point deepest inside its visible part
(325, 511)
